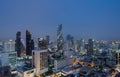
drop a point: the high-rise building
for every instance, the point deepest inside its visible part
(59, 38)
(119, 46)
(8, 59)
(32, 44)
(82, 45)
(118, 59)
(9, 45)
(29, 44)
(19, 46)
(40, 61)
(42, 44)
(90, 46)
(18, 43)
(1, 45)
(47, 39)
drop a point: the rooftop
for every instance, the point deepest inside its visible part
(24, 68)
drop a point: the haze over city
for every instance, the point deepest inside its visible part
(82, 19)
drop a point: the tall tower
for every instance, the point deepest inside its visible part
(42, 44)
(40, 61)
(47, 39)
(18, 43)
(118, 59)
(29, 44)
(90, 46)
(32, 44)
(59, 37)
(82, 44)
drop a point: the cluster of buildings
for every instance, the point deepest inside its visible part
(61, 58)
(23, 60)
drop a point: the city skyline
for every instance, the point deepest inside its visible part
(82, 19)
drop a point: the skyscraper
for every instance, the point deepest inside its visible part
(47, 39)
(82, 44)
(1, 45)
(29, 44)
(40, 61)
(59, 38)
(118, 59)
(119, 47)
(18, 43)
(19, 46)
(90, 46)
(42, 44)
(32, 44)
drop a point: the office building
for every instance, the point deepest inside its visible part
(82, 45)
(1, 45)
(29, 44)
(42, 44)
(8, 59)
(9, 45)
(40, 61)
(119, 46)
(48, 39)
(118, 60)
(4, 59)
(32, 44)
(90, 47)
(19, 45)
(59, 38)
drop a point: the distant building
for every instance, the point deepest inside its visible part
(42, 44)
(118, 60)
(19, 46)
(8, 59)
(119, 46)
(9, 45)
(29, 44)
(82, 45)
(59, 38)
(32, 44)
(48, 39)
(1, 45)
(18, 43)
(40, 61)
(90, 46)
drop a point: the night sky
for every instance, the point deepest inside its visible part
(98, 19)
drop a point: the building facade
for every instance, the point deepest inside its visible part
(40, 61)
(8, 59)
(9, 45)
(29, 44)
(59, 38)
(19, 46)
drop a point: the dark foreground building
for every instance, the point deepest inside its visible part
(29, 44)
